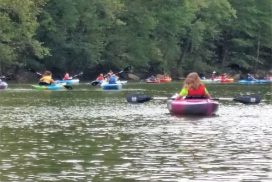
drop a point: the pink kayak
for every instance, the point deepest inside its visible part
(205, 107)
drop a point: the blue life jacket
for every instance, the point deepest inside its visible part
(112, 79)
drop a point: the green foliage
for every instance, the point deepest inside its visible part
(18, 24)
(153, 36)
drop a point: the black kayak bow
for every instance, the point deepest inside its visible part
(138, 98)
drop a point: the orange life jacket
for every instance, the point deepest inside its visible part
(200, 91)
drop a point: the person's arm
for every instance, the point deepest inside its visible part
(182, 93)
(207, 93)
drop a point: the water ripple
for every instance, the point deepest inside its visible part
(86, 139)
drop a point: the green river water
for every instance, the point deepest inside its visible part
(87, 134)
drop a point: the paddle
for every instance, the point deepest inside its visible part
(245, 99)
(81, 73)
(68, 87)
(126, 69)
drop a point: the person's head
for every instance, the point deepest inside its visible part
(47, 73)
(101, 74)
(192, 81)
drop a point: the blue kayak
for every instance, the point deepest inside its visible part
(254, 81)
(111, 86)
(68, 82)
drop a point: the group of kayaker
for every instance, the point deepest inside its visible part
(47, 79)
(158, 79)
(110, 77)
(192, 87)
(223, 76)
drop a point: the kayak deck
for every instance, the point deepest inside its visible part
(108, 86)
(49, 87)
(205, 107)
(68, 82)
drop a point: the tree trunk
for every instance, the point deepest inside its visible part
(183, 54)
(258, 54)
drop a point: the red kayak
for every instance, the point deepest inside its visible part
(165, 80)
(205, 107)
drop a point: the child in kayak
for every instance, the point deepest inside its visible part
(112, 79)
(193, 87)
(67, 76)
(46, 78)
(100, 77)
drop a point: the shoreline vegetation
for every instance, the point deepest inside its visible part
(153, 37)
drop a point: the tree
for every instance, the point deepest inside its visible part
(18, 24)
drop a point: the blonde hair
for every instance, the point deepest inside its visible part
(192, 81)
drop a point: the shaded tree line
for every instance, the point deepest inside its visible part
(153, 36)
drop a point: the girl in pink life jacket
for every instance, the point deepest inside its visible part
(100, 77)
(193, 87)
(66, 76)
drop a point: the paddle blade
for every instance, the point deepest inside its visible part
(95, 82)
(138, 98)
(68, 87)
(127, 69)
(248, 99)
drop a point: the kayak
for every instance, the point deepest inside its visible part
(162, 80)
(111, 86)
(205, 107)
(99, 82)
(254, 81)
(3, 85)
(227, 80)
(216, 80)
(210, 80)
(49, 87)
(165, 80)
(68, 82)
(152, 81)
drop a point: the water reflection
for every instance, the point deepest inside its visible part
(97, 136)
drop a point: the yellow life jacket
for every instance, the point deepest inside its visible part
(47, 79)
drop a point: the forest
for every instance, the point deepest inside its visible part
(171, 37)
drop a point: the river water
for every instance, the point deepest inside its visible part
(91, 135)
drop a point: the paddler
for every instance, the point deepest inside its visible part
(100, 77)
(193, 87)
(67, 76)
(112, 79)
(46, 78)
